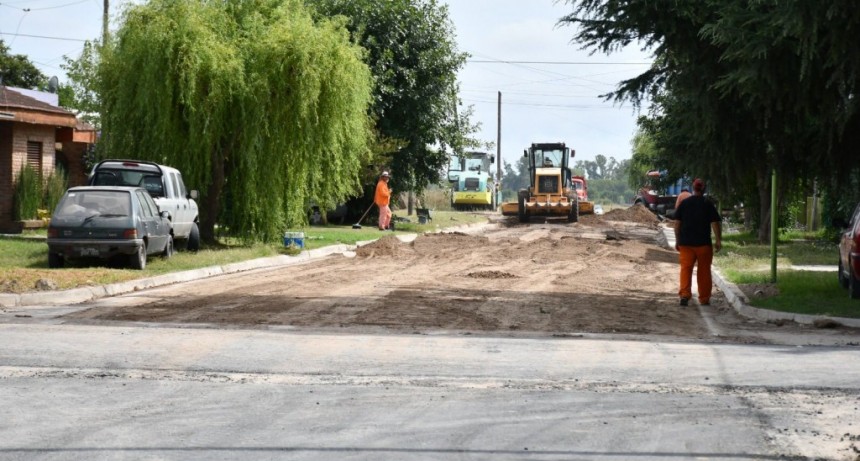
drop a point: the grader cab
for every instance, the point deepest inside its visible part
(552, 192)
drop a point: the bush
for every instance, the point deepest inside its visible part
(55, 187)
(28, 194)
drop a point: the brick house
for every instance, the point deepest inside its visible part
(35, 131)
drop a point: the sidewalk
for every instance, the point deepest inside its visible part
(739, 301)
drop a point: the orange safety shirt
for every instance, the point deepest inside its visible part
(383, 194)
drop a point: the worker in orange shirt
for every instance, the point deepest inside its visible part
(382, 198)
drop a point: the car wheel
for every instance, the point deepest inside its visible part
(853, 285)
(138, 260)
(194, 238)
(168, 248)
(55, 261)
(843, 280)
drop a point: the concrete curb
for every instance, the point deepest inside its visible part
(81, 295)
(738, 300)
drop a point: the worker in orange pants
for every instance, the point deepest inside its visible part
(689, 257)
(695, 218)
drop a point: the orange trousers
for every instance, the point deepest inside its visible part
(384, 216)
(700, 256)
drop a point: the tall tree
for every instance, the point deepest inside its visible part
(262, 107)
(740, 89)
(412, 53)
(81, 93)
(16, 70)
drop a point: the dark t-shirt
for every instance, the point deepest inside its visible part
(696, 215)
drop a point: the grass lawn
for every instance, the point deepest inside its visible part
(23, 261)
(743, 261)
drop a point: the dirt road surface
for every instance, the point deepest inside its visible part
(603, 275)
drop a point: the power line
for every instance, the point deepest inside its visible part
(45, 37)
(561, 63)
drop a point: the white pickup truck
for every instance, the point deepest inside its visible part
(166, 187)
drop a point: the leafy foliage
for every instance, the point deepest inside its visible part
(81, 93)
(740, 89)
(261, 107)
(413, 56)
(16, 70)
(28, 194)
(55, 186)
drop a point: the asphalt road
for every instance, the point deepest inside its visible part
(80, 392)
(119, 391)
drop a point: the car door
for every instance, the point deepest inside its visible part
(183, 210)
(154, 226)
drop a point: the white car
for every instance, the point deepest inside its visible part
(598, 209)
(166, 187)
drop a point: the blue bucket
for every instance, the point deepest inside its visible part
(294, 239)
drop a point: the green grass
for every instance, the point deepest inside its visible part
(320, 236)
(812, 293)
(24, 260)
(744, 261)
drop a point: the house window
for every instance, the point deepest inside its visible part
(34, 156)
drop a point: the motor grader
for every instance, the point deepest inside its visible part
(552, 192)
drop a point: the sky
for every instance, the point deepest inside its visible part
(540, 102)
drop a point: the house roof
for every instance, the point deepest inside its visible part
(11, 98)
(17, 107)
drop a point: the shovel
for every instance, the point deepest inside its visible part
(358, 224)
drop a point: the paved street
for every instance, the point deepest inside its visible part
(110, 392)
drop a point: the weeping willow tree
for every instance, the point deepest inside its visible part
(263, 108)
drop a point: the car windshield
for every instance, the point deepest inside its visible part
(86, 206)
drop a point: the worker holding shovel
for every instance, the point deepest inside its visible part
(382, 198)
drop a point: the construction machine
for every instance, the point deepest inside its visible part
(553, 191)
(472, 183)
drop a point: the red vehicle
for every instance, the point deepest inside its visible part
(581, 187)
(849, 256)
(657, 197)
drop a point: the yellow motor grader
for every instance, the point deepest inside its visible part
(552, 192)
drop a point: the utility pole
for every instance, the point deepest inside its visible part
(499, 154)
(105, 22)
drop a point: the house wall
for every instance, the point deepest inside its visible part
(74, 154)
(5, 172)
(13, 156)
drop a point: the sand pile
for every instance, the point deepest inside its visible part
(441, 243)
(387, 246)
(636, 213)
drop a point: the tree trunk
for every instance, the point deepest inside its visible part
(410, 203)
(213, 199)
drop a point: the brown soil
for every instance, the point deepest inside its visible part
(595, 276)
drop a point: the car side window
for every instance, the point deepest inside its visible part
(145, 208)
(179, 185)
(152, 205)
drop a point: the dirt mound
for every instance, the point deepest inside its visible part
(636, 213)
(441, 243)
(386, 246)
(591, 220)
(491, 275)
